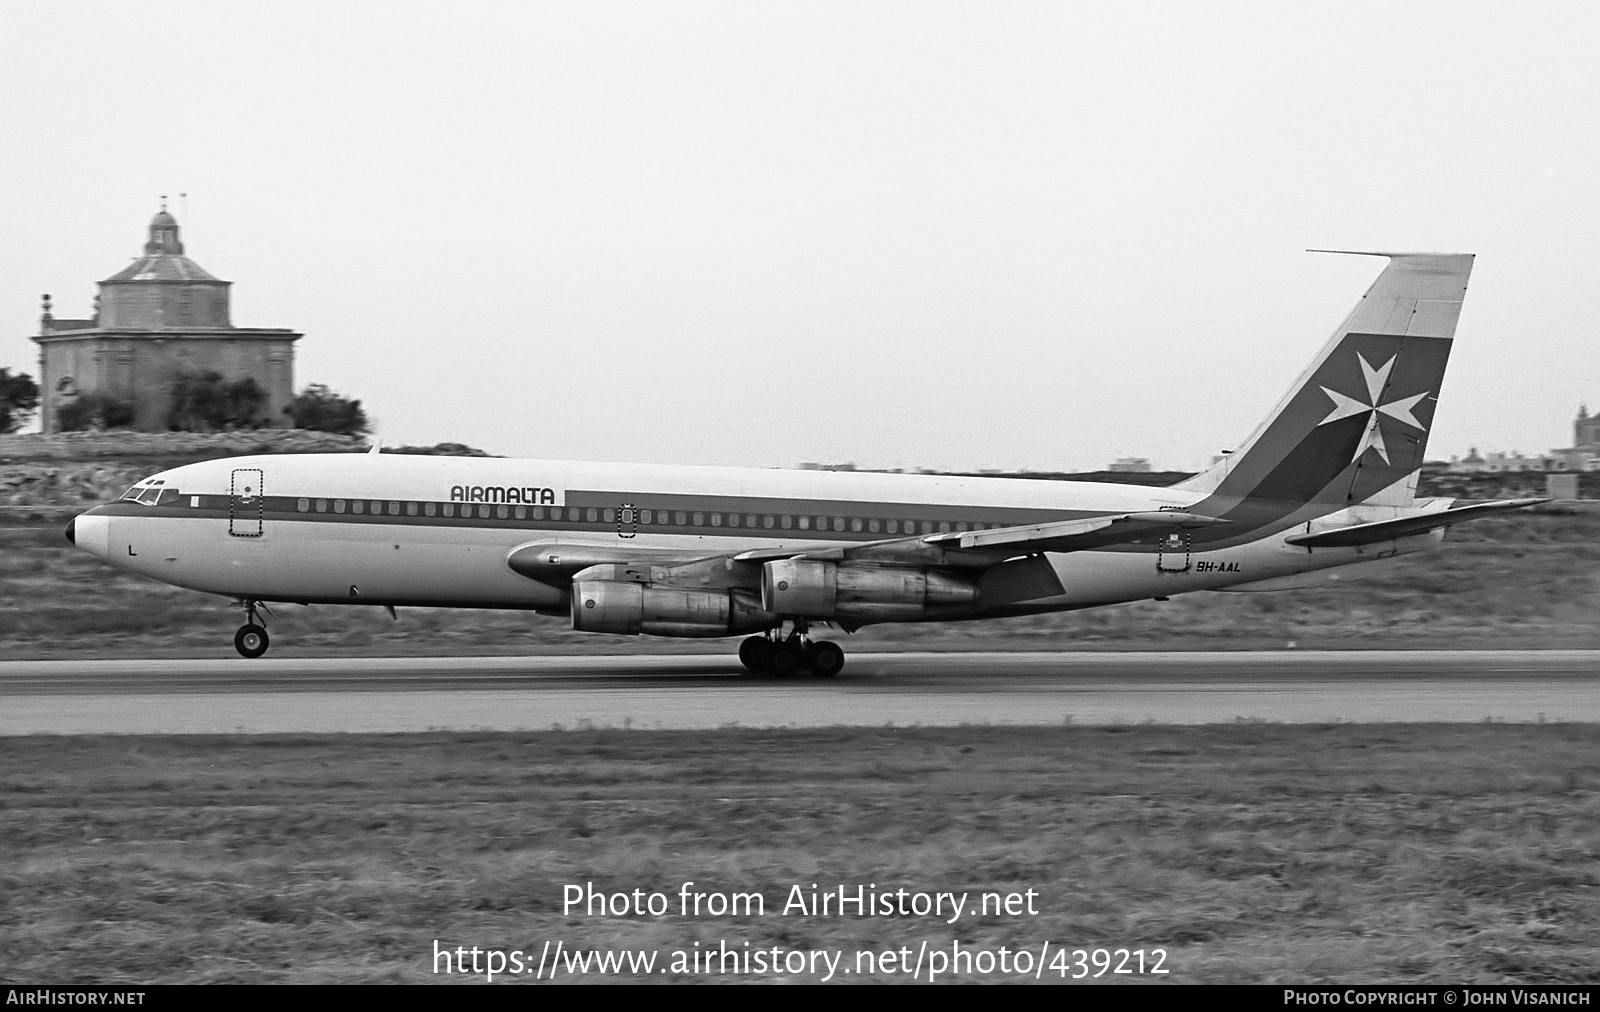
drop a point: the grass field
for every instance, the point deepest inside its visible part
(1250, 853)
(1527, 581)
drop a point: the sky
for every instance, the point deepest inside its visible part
(944, 235)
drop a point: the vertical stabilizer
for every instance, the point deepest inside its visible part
(1354, 427)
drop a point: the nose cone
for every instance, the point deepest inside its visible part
(72, 535)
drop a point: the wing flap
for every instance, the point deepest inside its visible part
(1388, 530)
(1074, 535)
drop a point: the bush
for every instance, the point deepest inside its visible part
(210, 403)
(19, 395)
(322, 410)
(94, 411)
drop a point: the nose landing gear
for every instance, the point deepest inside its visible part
(251, 640)
(792, 654)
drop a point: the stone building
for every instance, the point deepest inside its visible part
(160, 317)
(1584, 453)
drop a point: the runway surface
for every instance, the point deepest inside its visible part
(271, 695)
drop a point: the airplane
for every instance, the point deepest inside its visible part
(1327, 483)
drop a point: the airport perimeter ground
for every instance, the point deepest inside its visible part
(1249, 852)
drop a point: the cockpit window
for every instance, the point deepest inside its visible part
(150, 493)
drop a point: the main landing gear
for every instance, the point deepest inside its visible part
(791, 655)
(251, 639)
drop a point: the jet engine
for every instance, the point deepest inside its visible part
(621, 606)
(810, 589)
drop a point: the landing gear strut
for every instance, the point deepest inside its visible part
(251, 639)
(789, 655)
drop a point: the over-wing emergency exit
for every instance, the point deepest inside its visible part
(1327, 480)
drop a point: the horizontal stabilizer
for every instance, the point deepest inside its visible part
(1388, 530)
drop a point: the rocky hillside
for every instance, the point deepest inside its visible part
(46, 477)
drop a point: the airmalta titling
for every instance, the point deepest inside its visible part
(501, 493)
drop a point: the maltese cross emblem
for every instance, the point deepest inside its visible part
(1347, 407)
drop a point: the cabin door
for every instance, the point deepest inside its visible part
(247, 504)
(1173, 555)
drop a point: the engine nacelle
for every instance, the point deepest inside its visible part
(629, 608)
(808, 589)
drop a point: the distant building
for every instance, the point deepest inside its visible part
(161, 316)
(1130, 464)
(1584, 453)
(1501, 463)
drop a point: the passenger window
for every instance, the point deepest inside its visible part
(766, 522)
(927, 526)
(961, 526)
(411, 509)
(699, 519)
(591, 514)
(377, 507)
(873, 526)
(502, 511)
(304, 505)
(838, 523)
(429, 509)
(449, 509)
(522, 512)
(733, 519)
(716, 519)
(645, 516)
(357, 506)
(483, 511)
(680, 517)
(538, 512)
(750, 520)
(609, 516)
(894, 527)
(855, 523)
(322, 505)
(338, 505)
(944, 526)
(805, 523)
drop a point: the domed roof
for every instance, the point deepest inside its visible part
(163, 258)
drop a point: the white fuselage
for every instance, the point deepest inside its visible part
(437, 531)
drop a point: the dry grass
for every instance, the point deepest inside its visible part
(1522, 581)
(1252, 853)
